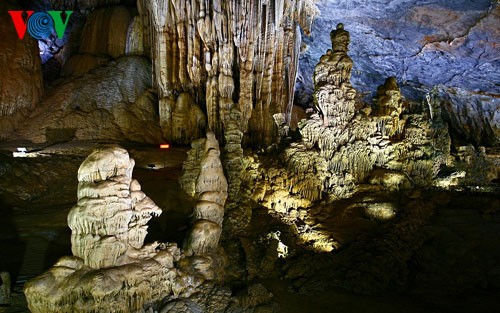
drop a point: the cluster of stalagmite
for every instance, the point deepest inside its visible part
(109, 222)
(228, 54)
(334, 95)
(111, 269)
(211, 190)
(342, 146)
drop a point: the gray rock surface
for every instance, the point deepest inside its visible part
(454, 43)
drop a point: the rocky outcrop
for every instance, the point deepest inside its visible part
(241, 55)
(20, 66)
(109, 103)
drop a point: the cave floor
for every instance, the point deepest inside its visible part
(36, 194)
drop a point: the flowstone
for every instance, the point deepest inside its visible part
(240, 55)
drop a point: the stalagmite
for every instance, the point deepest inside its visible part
(340, 147)
(388, 110)
(111, 269)
(334, 95)
(211, 189)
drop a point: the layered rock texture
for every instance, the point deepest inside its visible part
(211, 190)
(241, 55)
(112, 270)
(334, 95)
(344, 144)
(109, 222)
(104, 91)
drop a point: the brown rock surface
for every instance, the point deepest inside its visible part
(21, 85)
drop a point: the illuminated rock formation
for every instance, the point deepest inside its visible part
(109, 32)
(388, 110)
(210, 187)
(188, 120)
(112, 102)
(211, 190)
(241, 55)
(341, 148)
(111, 269)
(334, 95)
(109, 222)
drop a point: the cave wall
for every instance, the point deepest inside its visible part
(20, 66)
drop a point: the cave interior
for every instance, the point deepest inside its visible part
(164, 156)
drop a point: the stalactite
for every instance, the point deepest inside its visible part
(199, 44)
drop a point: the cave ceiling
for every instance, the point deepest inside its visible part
(421, 43)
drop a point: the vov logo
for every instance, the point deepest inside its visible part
(40, 25)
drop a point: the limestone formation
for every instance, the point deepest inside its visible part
(112, 102)
(111, 269)
(103, 37)
(472, 115)
(211, 190)
(341, 148)
(109, 222)
(241, 55)
(334, 95)
(188, 120)
(106, 32)
(389, 107)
